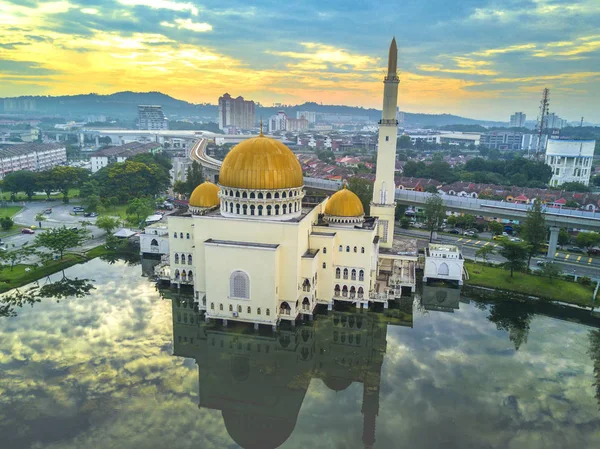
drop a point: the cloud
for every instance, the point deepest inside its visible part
(162, 4)
(462, 65)
(92, 11)
(188, 24)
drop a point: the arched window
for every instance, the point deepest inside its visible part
(239, 285)
(336, 290)
(338, 272)
(245, 209)
(277, 209)
(268, 195)
(345, 273)
(237, 194)
(174, 235)
(347, 249)
(361, 293)
(176, 258)
(252, 196)
(181, 235)
(306, 304)
(183, 275)
(212, 306)
(176, 274)
(237, 209)
(252, 207)
(283, 195)
(362, 250)
(285, 308)
(290, 208)
(153, 242)
(269, 210)
(353, 274)
(324, 250)
(268, 312)
(284, 209)
(345, 291)
(244, 195)
(324, 265)
(249, 309)
(260, 208)
(230, 308)
(352, 292)
(231, 207)
(258, 311)
(361, 275)
(220, 306)
(276, 195)
(355, 249)
(187, 235)
(239, 309)
(189, 259)
(443, 269)
(260, 195)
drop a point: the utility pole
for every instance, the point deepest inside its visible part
(581, 124)
(542, 120)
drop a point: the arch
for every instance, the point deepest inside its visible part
(176, 258)
(190, 276)
(249, 309)
(361, 275)
(252, 207)
(189, 259)
(269, 209)
(258, 310)
(268, 195)
(154, 242)
(181, 235)
(361, 293)
(347, 249)
(183, 275)
(345, 273)
(306, 285)
(231, 307)
(355, 249)
(338, 272)
(352, 292)
(353, 274)
(324, 250)
(306, 303)
(277, 209)
(336, 290)
(245, 209)
(284, 195)
(276, 196)
(260, 195)
(362, 250)
(237, 193)
(252, 195)
(443, 269)
(245, 195)
(231, 207)
(187, 235)
(345, 291)
(341, 248)
(284, 209)
(176, 274)
(239, 285)
(237, 209)
(260, 209)
(268, 312)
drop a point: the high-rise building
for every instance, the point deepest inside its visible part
(19, 104)
(502, 140)
(570, 160)
(384, 189)
(553, 121)
(151, 117)
(236, 112)
(517, 120)
(278, 122)
(308, 115)
(296, 124)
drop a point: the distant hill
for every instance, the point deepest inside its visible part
(123, 105)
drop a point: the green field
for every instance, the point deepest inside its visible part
(528, 284)
(10, 211)
(115, 211)
(57, 196)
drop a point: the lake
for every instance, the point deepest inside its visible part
(128, 366)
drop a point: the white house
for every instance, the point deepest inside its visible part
(443, 262)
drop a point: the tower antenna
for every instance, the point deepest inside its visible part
(542, 120)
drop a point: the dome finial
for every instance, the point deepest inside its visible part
(261, 133)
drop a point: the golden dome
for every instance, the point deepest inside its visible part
(261, 163)
(205, 195)
(344, 203)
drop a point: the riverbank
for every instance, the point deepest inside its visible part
(19, 276)
(529, 285)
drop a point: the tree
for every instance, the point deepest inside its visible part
(534, 229)
(513, 318)
(65, 178)
(39, 218)
(20, 181)
(516, 255)
(6, 223)
(131, 179)
(363, 190)
(326, 156)
(108, 224)
(404, 222)
(140, 208)
(16, 255)
(563, 237)
(551, 271)
(91, 203)
(495, 227)
(435, 212)
(60, 239)
(587, 239)
(399, 211)
(46, 182)
(404, 142)
(484, 252)
(193, 178)
(180, 187)
(89, 188)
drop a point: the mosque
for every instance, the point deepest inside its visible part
(255, 252)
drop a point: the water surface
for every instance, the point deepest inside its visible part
(124, 367)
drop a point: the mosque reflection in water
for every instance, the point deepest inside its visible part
(258, 380)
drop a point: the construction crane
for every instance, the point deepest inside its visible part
(542, 121)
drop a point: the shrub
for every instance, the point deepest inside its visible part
(6, 223)
(584, 280)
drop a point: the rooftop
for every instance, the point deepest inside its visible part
(246, 244)
(27, 148)
(127, 150)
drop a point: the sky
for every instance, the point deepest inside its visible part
(478, 58)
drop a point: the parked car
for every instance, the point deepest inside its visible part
(541, 263)
(87, 214)
(469, 233)
(27, 231)
(515, 239)
(74, 228)
(77, 209)
(93, 214)
(575, 249)
(498, 237)
(47, 211)
(595, 251)
(3, 247)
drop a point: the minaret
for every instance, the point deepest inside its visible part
(383, 204)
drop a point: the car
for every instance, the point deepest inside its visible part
(87, 214)
(94, 214)
(575, 249)
(542, 263)
(27, 231)
(74, 228)
(47, 211)
(498, 237)
(469, 233)
(515, 239)
(78, 209)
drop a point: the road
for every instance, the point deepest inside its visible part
(570, 263)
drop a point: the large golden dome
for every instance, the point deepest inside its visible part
(344, 203)
(205, 195)
(261, 163)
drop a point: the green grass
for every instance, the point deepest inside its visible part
(115, 211)
(19, 277)
(528, 284)
(10, 211)
(73, 193)
(97, 251)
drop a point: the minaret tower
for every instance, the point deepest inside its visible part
(383, 204)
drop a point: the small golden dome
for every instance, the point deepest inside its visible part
(344, 203)
(205, 195)
(261, 163)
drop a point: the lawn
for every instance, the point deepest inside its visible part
(10, 211)
(116, 211)
(57, 196)
(528, 284)
(19, 277)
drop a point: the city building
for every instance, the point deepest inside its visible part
(155, 240)
(553, 121)
(151, 117)
(529, 142)
(443, 262)
(278, 122)
(19, 104)
(31, 156)
(296, 124)
(517, 120)
(502, 140)
(109, 155)
(570, 160)
(179, 169)
(236, 113)
(254, 251)
(310, 116)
